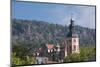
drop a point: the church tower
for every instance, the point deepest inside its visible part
(72, 40)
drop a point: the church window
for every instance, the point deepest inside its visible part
(74, 47)
(74, 40)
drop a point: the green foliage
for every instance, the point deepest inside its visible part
(22, 61)
(72, 58)
(16, 60)
(86, 54)
(21, 55)
(28, 35)
(67, 59)
(38, 32)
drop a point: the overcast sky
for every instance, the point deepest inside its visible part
(55, 13)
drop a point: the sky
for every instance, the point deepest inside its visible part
(55, 13)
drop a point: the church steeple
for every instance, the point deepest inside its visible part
(71, 26)
(72, 32)
(72, 40)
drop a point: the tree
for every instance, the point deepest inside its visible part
(86, 54)
(22, 61)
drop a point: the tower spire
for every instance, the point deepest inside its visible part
(72, 32)
(71, 20)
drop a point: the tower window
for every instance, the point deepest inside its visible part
(74, 47)
(74, 40)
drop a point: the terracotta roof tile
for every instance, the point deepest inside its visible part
(50, 46)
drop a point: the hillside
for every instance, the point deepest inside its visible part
(34, 33)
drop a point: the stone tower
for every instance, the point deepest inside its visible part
(72, 41)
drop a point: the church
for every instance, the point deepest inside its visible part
(71, 43)
(58, 52)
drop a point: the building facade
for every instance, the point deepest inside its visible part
(49, 53)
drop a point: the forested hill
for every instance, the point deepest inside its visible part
(34, 33)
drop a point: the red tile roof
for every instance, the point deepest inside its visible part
(50, 46)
